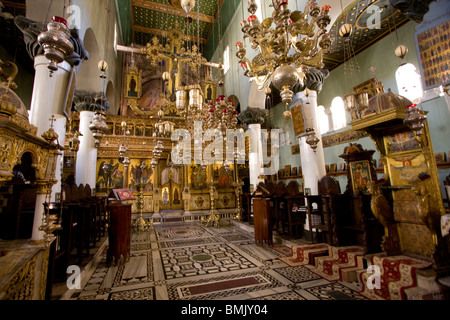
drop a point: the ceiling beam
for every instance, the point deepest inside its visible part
(158, 32)
(164, 8)
(14, 4)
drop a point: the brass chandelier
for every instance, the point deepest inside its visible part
(288, 43)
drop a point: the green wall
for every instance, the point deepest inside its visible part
(379, 55)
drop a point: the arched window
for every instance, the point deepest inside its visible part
(322, 119)
(409, 83)
(338, 113)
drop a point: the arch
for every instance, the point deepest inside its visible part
(88, 74)
(338, 113)
(16, 221)
(409, 83)
(26, 166)
(322, 119)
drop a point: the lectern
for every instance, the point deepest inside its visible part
(119, 233)
(262, 221)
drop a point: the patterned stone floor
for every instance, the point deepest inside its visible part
(187, 261)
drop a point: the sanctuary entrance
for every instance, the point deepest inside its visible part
(171, 182)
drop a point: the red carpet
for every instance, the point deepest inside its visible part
(304, 254)
(397, 274)
(340, 258)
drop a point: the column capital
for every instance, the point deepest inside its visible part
(253, 116)
(314, 79)
(90, 101)
(31, 30)
(44, 186)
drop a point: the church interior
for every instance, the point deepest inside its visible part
(224, 150)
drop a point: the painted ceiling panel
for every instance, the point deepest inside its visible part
(148, 17)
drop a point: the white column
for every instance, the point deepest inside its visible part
(313, 163)
(87, 154)
(49, 94)
(48, 99)
(39, 212)
(60, 128)
(255, 154)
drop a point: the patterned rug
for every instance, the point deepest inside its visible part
(330, 267)
(297, 274)
(334, 291)
(284, 250)
(302, 254)
(397, 273)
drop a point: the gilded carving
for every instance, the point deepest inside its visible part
(21, 286)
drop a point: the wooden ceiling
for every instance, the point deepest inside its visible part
(143, 19)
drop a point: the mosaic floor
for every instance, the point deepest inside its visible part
(186, 261)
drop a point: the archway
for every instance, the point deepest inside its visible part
(16, 218)
(88, 75)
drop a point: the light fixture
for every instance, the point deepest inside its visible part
(287, 49)
(414, 119)
(401, 51)
(98, 127)
(103, 67)
(312, 139)
(56, 42)
(346, 30)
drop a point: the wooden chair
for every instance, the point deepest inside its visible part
(279, 208)
(296, 210)
(328, 188)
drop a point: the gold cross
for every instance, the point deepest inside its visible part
(52, 119)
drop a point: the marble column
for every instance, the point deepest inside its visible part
(255, 154)
(85, 170)
(48, 99)
(313, 163)
(42, 192)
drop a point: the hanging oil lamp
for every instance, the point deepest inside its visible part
(56, 42)
(415, 120)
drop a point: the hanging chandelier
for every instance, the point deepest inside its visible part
(288, 43)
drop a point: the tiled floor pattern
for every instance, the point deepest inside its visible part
(186, 261)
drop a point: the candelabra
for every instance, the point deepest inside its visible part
(213, 219)
(287, 49)
(141, 224)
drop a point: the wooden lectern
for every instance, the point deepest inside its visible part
(262, 221)
(119, 233)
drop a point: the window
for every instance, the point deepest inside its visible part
(226, 59)
(338, 113)
(409, 83)
(322, 119)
